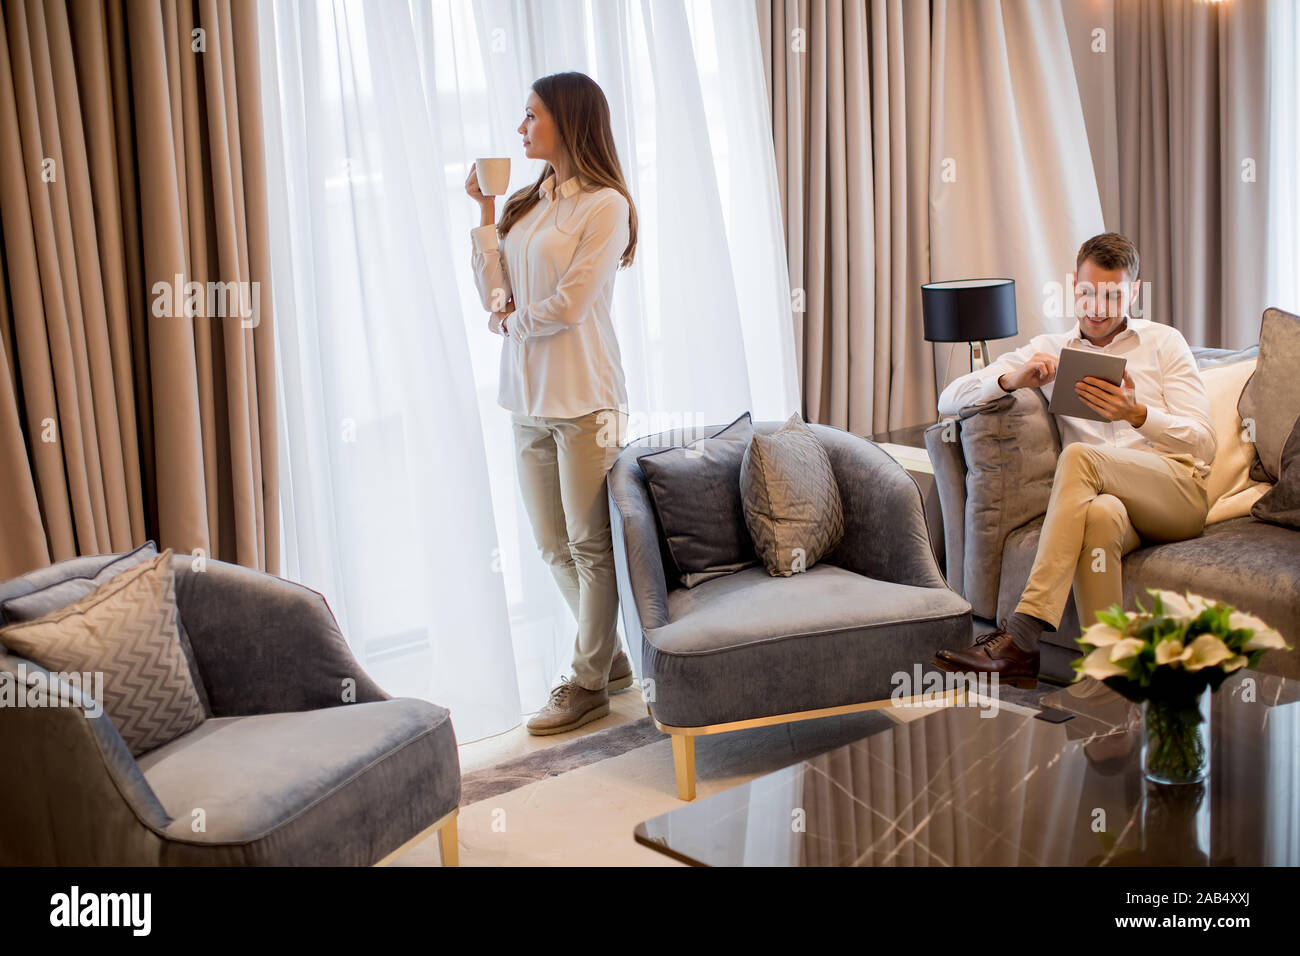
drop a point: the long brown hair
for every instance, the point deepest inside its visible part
(581, 115)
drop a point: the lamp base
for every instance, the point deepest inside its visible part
(980, 350)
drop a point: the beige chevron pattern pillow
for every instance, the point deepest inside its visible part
(125, 629)
(792, 503)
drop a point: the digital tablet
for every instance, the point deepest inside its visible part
(1076, 364)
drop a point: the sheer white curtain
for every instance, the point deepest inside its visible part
(400, 498)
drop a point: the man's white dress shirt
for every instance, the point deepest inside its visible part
(1165, 379)
(561, 359)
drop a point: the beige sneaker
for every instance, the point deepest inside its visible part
(620, 674)
(571, 705)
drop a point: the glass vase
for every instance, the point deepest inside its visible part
(1176, 739)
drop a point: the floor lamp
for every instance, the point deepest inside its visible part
(971, 311)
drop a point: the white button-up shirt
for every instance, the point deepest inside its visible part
(561, 359)
(1165, 379)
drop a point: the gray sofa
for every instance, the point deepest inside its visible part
(991, 537)
(283, 770)
(748, 648)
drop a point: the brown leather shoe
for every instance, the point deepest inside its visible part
(620, 674)
(994, 653)
(571, 705)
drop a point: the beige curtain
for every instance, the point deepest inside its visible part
(849, 84)
(132, 153)
(1192, 114)
(1013, 193)
(919, 141)
(1176, 99)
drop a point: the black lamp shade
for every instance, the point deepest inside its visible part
(969, 310)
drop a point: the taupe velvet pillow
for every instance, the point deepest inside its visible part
(126, 630)
(1011, 445)
(1280, 505)
(1271, 399)
(792, 503)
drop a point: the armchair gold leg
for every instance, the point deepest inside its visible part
(684, 764)
(447, 843)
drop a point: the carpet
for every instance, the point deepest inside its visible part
(795, 741)
(553, 761)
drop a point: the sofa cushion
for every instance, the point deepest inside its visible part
(1010, 446)
(1252, 565)
(1208, 358)
(751, 645)
(126, 630)
(1229, 487)
(1271, 399)
(290, 788)
(1281, 506)
(791, 501)
(28, 605)
(696, 493)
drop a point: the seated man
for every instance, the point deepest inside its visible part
(1138, 476)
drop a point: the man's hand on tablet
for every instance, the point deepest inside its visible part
(1038, 371)
(1113, 402)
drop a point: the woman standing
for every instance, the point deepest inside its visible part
(546, 273)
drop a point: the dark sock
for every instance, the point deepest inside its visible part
(1025, 629)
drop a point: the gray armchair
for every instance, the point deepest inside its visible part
(748, 649)
(283, 771)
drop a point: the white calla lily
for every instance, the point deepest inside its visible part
(1172, 652)
(1262, 638)
(1174, 604)
(1183, 607)
(1126, 649)
(1207, 651)
(1099, 666)
(1101, 635)
(1265, 640)
(1240, 620)
(1236, 662)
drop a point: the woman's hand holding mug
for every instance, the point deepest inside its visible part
(487, 204)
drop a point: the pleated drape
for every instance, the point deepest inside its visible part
(1192, 120)
(132, 155)
(849, 85)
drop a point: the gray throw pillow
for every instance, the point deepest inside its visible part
(1271, 399)
(38, 603)
(43, 601)
(126, 631)
(696, 493)
(792, 503)
(1281, 503)
(1011, 445)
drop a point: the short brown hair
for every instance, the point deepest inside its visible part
(1110, 251)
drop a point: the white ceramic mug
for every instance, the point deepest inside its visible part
(493, 175)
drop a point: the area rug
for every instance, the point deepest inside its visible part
(553, 761)
(802, 739)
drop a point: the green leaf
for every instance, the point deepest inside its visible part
(1113, 616)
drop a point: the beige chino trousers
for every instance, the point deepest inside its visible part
(1105, 502)
(562, 464)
